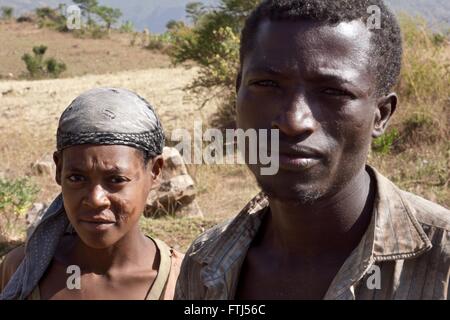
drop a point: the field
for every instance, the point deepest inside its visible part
(29, 112)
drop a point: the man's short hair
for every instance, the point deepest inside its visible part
(386, 41)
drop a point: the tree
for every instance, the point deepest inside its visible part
(213, 43)
(109, 15)
(174, 24)
(88, 7)
(194, 10)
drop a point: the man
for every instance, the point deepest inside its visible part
(326, 226)
(89, 244)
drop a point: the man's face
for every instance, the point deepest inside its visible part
(105, 189)
(314, 83)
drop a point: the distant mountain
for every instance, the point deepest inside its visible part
(437, 12)
(154, 14)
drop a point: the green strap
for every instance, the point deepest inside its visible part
(165, 264)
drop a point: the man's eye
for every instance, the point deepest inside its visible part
(338, 93)
(118, 179)
(76, 178)
(265, 83)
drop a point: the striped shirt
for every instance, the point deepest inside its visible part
(404, 254)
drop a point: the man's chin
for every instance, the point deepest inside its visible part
(298, 195)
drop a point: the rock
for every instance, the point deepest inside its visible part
(34, 216)
(173, 164)
(176, 193)
(171, 196)
(7, 92)
(191, 210)
(44, 167)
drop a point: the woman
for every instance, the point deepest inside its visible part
(89, 244)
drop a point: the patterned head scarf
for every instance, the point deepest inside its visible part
(111, 116)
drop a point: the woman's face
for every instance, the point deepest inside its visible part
(105, 189)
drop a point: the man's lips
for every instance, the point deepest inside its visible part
(299, 151)
(299, 157)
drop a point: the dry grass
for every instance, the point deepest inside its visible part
(420, 158)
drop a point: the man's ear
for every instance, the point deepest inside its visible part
(57, 158)
(386, 107)
(238, 81)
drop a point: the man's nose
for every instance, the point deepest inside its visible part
(295, 118)
(97, 198)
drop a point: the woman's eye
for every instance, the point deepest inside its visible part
(75, 178)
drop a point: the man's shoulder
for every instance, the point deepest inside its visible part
(209, 238)
(189, 284)
(247, 219)
(428, 213)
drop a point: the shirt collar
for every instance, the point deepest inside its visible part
(394, 233)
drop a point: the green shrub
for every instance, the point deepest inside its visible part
(38, 67)
(16, 197)
(97, 32)
(55, 68)
(35, 63)
(127, 27)
(52, 19)
(385, 143)
(7, 13)
(159, 42)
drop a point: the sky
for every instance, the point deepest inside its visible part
(154, 14)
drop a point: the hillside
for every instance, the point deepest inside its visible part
(82, 56)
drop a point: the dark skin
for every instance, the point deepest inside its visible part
(314, 83)
(105, 188)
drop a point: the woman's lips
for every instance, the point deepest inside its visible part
(97, 224)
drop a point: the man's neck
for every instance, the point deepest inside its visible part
(330, 226)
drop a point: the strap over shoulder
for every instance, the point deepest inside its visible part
(165, 263)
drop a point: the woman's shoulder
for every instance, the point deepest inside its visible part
(10, 264)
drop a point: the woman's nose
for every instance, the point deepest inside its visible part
(97, 198)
